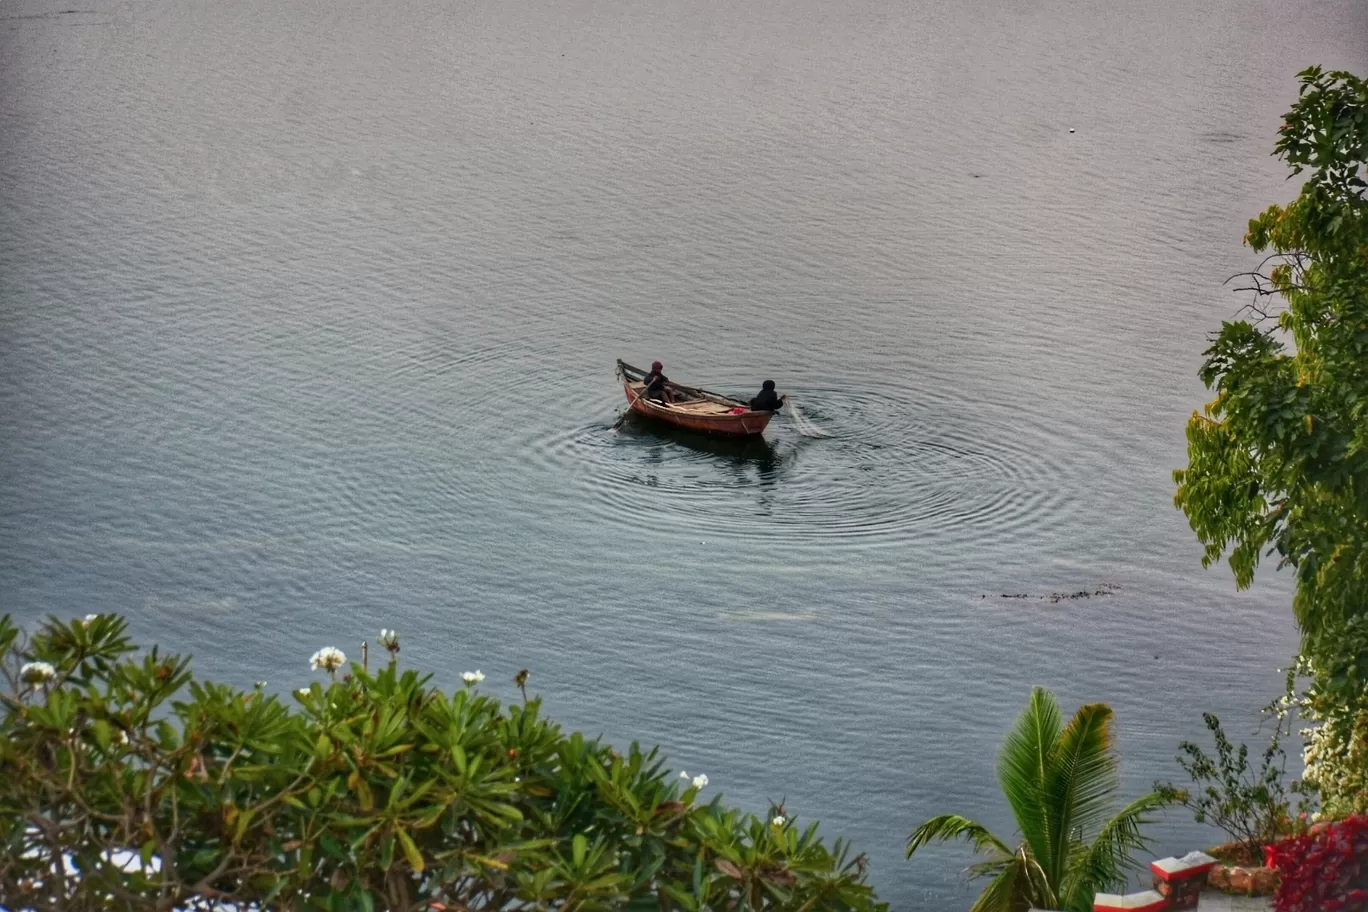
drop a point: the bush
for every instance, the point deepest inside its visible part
(126, 783)
(1335, 699)
(1325, 870)
(1252, 807)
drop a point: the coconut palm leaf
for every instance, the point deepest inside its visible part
(948, 827)
(1023, 771)
(1110, 858)
(1082, 782)
(1063, 783)
(1020, 885)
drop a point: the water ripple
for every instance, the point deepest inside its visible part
(902, 465)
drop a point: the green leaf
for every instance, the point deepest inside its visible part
(415, 858)
(387, 852)
(244, 820)
(951, 826)
(1023, 771)
(358, 784)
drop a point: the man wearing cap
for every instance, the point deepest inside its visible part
(655, 383)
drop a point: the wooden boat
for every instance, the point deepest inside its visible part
(695, 409)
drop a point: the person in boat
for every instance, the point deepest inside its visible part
(768, 400)
(656, 383)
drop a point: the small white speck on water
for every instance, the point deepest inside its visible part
(1071, 129)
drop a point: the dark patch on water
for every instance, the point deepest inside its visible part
(1102, 591)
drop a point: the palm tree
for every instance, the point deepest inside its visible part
(1062, 783)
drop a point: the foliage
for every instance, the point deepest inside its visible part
(1325, 870)
(1062, 783)
(1278, 461)
(1253, 807)
(1336, 748)
(125, 782)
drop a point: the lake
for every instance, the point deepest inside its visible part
(309, 312)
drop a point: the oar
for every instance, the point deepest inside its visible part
(623, 417)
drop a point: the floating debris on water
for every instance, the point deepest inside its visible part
(1104, 590)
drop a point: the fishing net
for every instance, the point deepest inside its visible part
(802, 422)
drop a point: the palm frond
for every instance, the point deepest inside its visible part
(1008, 892)
(1084, 780)
(1106, 863)
(1043, 893)
(990, 868)
(1019, 886)
(1023, 771)
(948, 827)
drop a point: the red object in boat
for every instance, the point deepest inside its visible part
(694, 409)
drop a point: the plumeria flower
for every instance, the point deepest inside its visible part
(778, 820)
(472, 677)
(700, 780)
(37, 673)
(329, 658)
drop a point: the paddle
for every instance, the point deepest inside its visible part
(622, 418)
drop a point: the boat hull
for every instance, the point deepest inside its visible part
(745, 424)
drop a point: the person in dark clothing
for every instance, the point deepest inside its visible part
(655, 383)
(768, 400)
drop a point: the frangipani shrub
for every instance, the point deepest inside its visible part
(126, 783)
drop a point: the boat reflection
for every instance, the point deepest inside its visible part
(754, 450)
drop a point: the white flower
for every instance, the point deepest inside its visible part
(472, 677)
(329, 658)
(91, 618)
(683, 775)
(302, 692)
(699, 781)
(37, 673)
(778, 820)
(260, 684)
(390, 640)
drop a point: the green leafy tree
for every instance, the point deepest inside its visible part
(1062, 783)
(1278, 461)
(126, 783)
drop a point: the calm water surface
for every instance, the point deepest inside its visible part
(308, 313)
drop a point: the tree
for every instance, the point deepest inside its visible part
(1278, 461)
(1062, 783)
(125, 783)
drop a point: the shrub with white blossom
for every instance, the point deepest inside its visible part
(126, 783)
(329, 658)
(36, 672)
